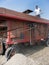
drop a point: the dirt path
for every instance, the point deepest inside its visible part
(39, 54)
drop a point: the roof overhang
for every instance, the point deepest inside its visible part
(34, 19)
(13, 15)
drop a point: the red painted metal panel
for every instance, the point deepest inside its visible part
(24, 18)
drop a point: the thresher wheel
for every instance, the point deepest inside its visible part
(11, 51)
(47, 43)
(7, 53)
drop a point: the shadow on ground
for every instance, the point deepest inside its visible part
(29, 50)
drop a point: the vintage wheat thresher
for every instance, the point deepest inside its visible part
(19, 28)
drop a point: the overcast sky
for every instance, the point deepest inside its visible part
(22, 5)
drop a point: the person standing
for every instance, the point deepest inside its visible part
(37, 11)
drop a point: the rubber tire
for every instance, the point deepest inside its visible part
(47, 43)
(10, 50)
(7, 53)
(3, 48)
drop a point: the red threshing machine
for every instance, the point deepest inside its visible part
(21, 29)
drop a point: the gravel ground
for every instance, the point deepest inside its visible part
(20, 59)
(40, 54)
(2, 60)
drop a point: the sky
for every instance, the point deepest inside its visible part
(22, 5)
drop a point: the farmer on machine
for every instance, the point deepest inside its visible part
(37, 11)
